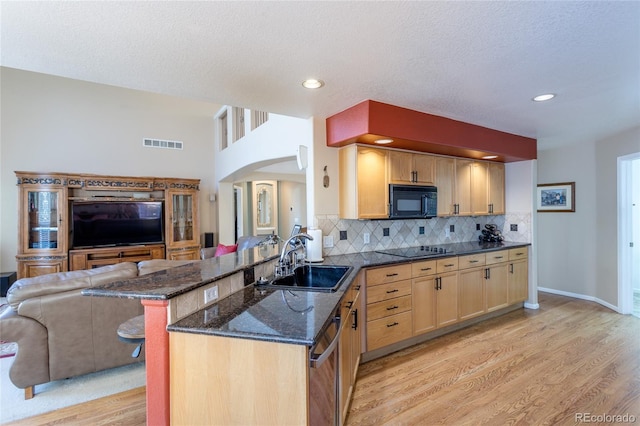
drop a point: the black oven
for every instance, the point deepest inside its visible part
(412, 202)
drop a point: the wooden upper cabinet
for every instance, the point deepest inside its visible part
(487, 188)
(181, 221)
(479, 188)
(463, 187)
(445, 182)
(496, 187)
(411, 169)
(43, 224)
(364, 186)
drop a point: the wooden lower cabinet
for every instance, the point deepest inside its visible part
(192, 253)
(32, 266)
(447, 299)
(96, 257)
(443, 292)
(497, 287)
(350, 346)
(518, 275)
(472, 297)
(388, 305)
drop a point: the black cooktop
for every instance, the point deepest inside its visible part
(419, 251)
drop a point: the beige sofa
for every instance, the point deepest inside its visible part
(61, 333)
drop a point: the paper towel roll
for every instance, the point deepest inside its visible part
(314, 248)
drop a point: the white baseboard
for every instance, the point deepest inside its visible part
(531, 305)
(580, 296)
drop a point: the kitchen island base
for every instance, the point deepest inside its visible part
(221, 380)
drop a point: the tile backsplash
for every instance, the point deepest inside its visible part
(385, 234)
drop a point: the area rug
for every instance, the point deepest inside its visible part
(64, 393)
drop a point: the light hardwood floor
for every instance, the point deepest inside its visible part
(568, 358)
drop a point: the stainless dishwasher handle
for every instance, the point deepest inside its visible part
(316, 360)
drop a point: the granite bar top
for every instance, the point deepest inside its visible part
(172, 282)
(298, 317)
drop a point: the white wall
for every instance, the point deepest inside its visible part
(275, 141)
(577, 252)
(57, 124)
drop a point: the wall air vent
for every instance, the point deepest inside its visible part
(160, 143)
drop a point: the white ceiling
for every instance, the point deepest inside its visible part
(479, 62)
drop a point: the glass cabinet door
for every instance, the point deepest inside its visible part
(45, 226)
(182, 217)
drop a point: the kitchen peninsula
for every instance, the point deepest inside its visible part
(193, 348)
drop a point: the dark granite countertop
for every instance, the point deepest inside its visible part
(297, 317)
(172, 282)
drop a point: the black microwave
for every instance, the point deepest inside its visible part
(412, 202)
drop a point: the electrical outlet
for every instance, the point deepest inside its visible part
(514, 227)
(477, 226)
(366, 237)
(343, 235)
(452, 228)
(421, 230)
(327, 241)
(210, 294)
(385, 232)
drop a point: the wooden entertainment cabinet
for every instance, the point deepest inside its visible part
(44, 231)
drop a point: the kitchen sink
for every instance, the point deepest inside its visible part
(325, 278)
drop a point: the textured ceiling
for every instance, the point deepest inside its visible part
(478, 62)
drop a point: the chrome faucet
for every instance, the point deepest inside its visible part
(288, 262)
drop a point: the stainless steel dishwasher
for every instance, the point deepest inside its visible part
(323, 376)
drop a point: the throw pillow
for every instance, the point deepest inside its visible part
(222, 249)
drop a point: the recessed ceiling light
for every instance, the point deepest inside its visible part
(545, 97)
(489, 157)
(312, 83)
(383, 141)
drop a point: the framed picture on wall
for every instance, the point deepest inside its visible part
(556, 197)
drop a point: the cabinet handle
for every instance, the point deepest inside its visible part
(498, 257)
(490, 208)
(392, 324)
(391, 308)
(358, 287)
(349, 304)
(474, 261)
(439, 283)
(511, 268)
(392, 275)
(354, 325)
(487, 274)
(520, 253)
(449, 265)
(425, 269)
(392, 291)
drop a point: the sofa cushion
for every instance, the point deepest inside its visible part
(154, 265)
(26, 288)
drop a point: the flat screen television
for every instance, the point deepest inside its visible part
(113, 223)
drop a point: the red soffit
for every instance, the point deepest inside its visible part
(418, 131)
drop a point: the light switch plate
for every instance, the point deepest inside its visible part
(327, 241)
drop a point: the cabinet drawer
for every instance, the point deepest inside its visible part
(420, 269)
(447, 264)
(389, 307)
(518, 253)
(497, 257)
(389, 330)
(388, 274)
(382, 292)
(470, 261)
